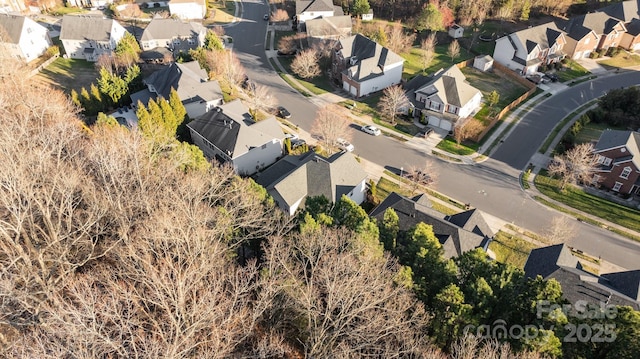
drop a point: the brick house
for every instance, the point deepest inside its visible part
(618, 156)
(591, 32)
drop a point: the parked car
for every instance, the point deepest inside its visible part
(297, 143)
(345, 145)
(282, 112)
(283, 53)
(426, 133)
(266, 17)
(536, 79)
(372, 130)
(551, 76)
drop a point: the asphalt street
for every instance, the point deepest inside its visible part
(492, 186)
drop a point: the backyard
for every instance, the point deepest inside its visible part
(220, 12)
(68, 74)
(510, 249)
(441, 60)
(487, 82)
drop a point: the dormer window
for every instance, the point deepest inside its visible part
(604, 160)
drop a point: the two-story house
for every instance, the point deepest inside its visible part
(294, 178)
(23, 38)
(524, 51)
(618, 156)
(197, 93)
(88, 37)
(444, 97)
(173, 34)
(591, 32)
(628, 12)
(314, 9)
(188, 9)
(228, 134)
(363, 66)
(328, 29)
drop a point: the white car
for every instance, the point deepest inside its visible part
(372, 130)
(344, 144)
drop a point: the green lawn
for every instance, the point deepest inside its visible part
(450, 145)
(622, 59)
(67, 74)
(571, 70)
(385, 187)
(592, 131)
(63, 10)
(318, 85)
(511, 249)
(223, 12)
(599, 207)
(441, 60)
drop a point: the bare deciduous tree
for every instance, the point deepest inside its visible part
(453, 51)
(305, 64)
(422, 176)
(393, 102)
(330, 124)
(428, 46)
(227, 66)
(562, 229)
(260, 99)
(578, 165)
(398, 40)
(467, 128)
(279, 15)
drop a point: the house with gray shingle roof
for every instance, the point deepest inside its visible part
(328, 28)
(228, 134)
(628, 12)
(591, 32)
(457, 234)
(618, 157)
(23, 38)
(314, 9)
(526, 50)
(173, 34)
(197, 93)
(87, 37)
(447, 93)
(363, 66)
(294, 178)
(557, 262)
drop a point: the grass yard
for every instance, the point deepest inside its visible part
(68, 74)
(487, 82)
(571, 70)
(622, 59)
(385, 187)
(221, 12)
(441, 60)
(511, 249)
(592, 131)
(63, 10)
(450, 145)
(318, 85)
(599, 207)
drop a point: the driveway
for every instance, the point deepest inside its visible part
(592, 66)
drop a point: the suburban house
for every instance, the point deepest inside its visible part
(557, 262)
(363, 66)
(526, 50)
(188, 9)
(313, 9)
(12, 7)
(443, 97)
(229, 135)
(631, 39)
(23, 38)
(294, 178)
(328, 28)
(88, 37)
(627, 11)
(618, 156)
(173, 34)
(591, 32)
(457, 233)
(197, 93)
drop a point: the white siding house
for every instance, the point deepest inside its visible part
(173, 34)
(88, 37)
(314, 9)
(23, 38)
(188, 9)
(364, 66)
(228, 134)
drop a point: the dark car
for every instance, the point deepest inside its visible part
(297, 143)
(282, 112)
(283, 53)
(426, 133)
(266, 17)
(551, 76)
(536, 79)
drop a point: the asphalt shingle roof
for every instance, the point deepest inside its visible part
(625, 10)
(615, 138)
(11, 26)
(369, 57)
(450, 87)
(86, 27)
(314, 6)
(170, 28)
(188, 79)
(329, 26)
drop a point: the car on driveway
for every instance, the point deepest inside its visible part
(291, 136)
(425, 133)
(345, 145)
(282, 112)
(551, 76)
(297, 143)
(372, 130)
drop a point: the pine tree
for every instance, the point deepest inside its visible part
(75, 99)
(95, 94)
(145, 124)
(86, 101)
(169, 121)
(179, 111)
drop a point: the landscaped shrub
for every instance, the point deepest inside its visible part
(596, 115)
(613, 51)
(423, 119)
(594, 55)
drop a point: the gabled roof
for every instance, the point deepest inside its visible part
(546, 260)
(230, 129)
(369, 57)
(450, 87)
(188, 79)
(329, 26)
(295, 177)
(625, 10)
(611, 139)
(86, 27)
(455, 239)
(11, 28)
(557, 262)
(544, 35)
(315, 6)
(598, 22)
(160, 28)
(633, 27)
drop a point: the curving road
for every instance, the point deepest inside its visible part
(491, 186)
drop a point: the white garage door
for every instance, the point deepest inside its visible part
(434, 121)
(440, 123)
(446, 125)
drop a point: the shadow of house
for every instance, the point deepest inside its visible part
(457, 234)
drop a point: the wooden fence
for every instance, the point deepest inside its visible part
(43, 65)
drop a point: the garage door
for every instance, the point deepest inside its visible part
(577, 55)
(434, 121)
(446, 125)
(439, 123)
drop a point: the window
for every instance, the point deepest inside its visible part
(604, 160)
(625, 172)
(617, 186)
(29, 30)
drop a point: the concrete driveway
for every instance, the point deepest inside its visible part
(592, 66)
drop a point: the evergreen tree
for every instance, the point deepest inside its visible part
(145, 123)
(104, 120)
(96, 95)
(389, 229)
(75, 99)
(87, 103)
(112, 85)
(361, 7)
(212, 41)
(128, 49)
(169, 121)
(179, 111)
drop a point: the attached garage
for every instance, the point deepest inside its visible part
(440, 123)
